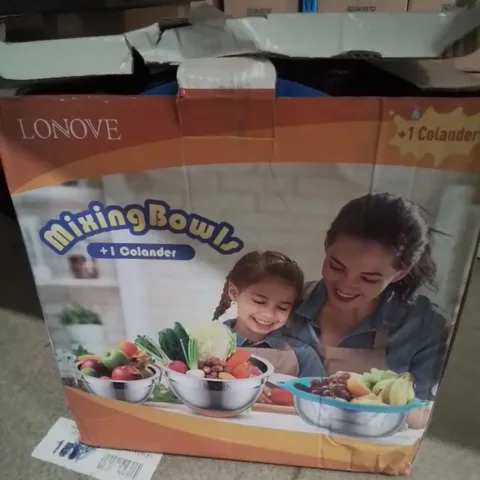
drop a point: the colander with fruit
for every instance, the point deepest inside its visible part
(373, 404)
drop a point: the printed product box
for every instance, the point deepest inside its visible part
(361, 5)
(262, 274)
(437, 5)
(249, 8)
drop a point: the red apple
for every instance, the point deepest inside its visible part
(129, 349)
(125, 373)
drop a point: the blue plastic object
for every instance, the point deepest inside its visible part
(309, 6)
(283, 88)
(355, 407)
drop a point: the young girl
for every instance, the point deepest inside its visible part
(265, 286)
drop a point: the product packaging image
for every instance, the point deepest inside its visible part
(248, 258)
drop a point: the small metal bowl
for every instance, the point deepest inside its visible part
(354, 420)
(133, 391)
(220, 398)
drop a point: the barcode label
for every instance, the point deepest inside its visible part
(122, 467)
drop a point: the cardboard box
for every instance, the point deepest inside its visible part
(89, 24)
(137, 18)
(437, 5)
(468, 53)
(136, 210)
(362, 5)
(249, 8)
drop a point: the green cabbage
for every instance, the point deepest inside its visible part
(214, 340)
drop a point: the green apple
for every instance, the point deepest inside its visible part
(89, 372)
(114, 358)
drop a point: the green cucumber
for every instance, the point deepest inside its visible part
(162, 341)
(173, 345)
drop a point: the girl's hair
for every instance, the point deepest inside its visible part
(252, 268)
(397, 224)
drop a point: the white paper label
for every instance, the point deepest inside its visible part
(61, 447)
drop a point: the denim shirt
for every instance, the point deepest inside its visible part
(309, 363)
(417, 340)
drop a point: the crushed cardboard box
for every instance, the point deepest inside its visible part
(250, 8)
(362, 5)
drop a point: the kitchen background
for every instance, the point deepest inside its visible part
(287, 207)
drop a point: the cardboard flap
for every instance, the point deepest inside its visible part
(227, 94)
(325, 35)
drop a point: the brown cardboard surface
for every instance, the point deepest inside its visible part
(143, 17)
(470, 61)
(236, 8)
(437, 5)
(362, 5)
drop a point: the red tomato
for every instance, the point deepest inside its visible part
(178, 366)
(129, 349)
(255, 372)
(242, 371)
(239, 356)
(279, 396)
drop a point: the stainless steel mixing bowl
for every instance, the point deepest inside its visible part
(133, 391)
(220, 398)
(349, 422)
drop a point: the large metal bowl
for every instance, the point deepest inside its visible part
(133, 391)
(349, 422)
(355, 420)
(220, 398)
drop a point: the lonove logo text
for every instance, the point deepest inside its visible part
(63, 233)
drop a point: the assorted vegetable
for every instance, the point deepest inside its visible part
(215, 340)
(207, 350)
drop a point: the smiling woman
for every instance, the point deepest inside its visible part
(365, 312)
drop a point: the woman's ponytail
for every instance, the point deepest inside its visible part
(422, 274)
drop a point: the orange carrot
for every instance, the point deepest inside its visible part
(240, 355)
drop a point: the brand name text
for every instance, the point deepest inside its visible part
(70, 129)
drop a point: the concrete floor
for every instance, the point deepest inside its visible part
(31, 398)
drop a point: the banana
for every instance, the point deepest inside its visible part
(411, 391)
(381, 385)
(386, 391)
(401, 390)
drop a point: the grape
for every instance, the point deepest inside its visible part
(315, 383)
(327, 393)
